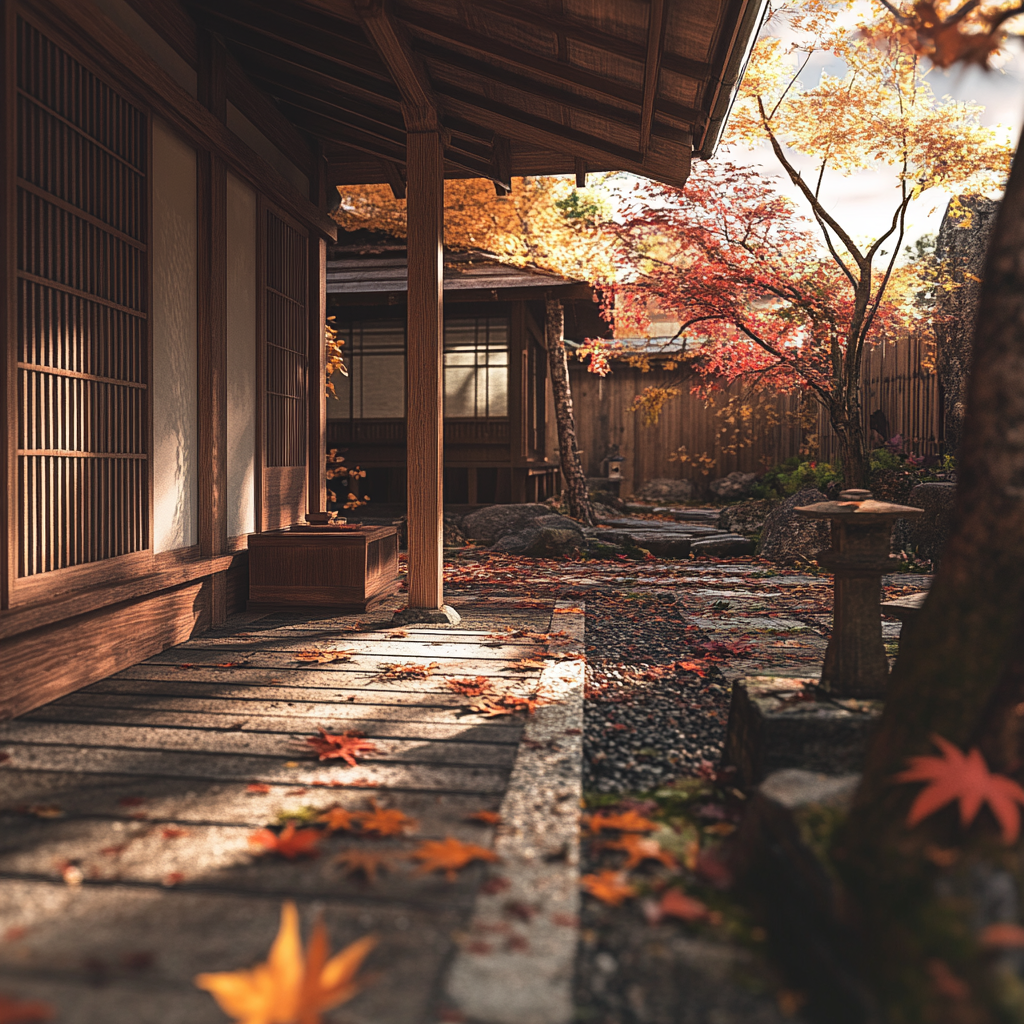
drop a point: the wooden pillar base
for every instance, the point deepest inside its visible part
(855, 662)
(445, 615)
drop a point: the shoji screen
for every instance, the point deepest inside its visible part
(82, 232)
(285, 369)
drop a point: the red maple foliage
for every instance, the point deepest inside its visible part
(291, 843)
(965, 778)
(345, 745)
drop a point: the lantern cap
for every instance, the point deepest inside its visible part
(858, 504)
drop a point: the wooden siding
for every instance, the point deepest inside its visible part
(898, 379)
(82, 227)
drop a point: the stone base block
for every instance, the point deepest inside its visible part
(446, 615)
(779, 723)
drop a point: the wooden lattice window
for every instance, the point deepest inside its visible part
(83, 481)
(286, 343)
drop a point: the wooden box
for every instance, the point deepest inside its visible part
(323, 567)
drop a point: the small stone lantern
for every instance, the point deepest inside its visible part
(614, 461)
(855, 662)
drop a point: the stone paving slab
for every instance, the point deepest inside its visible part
(125, 816)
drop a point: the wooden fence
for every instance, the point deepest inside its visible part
(745, 432)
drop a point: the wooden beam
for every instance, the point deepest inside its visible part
(211, 77)
(394, 178)
(419, 104)
(581, 172)
(9, 256)
(424, 395)
(652, 68)
(502, 163)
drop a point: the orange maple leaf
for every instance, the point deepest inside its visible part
(290, 988)
(344, 745)
(337, 819)
(627, 821)
(409, 671)
(1002, 935)
(448, 855)
(368, 862)
(19, 1011)
(323, 657)
(469, 687)
(677, 904)
(291, 843)
(639, 848)
(485, 817)
(966, 779)
(609, 887)
(384, 821)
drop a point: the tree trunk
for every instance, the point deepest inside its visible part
(922, 894)
(853, 455)
(572, 470)
(961, 249)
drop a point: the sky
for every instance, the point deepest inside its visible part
(867, 198)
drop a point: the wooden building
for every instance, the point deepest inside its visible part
(500, 442)
(164, 214)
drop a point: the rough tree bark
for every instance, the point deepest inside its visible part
(920, 896)
(961, 248)
(572, 469)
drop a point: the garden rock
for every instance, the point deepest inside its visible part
(453, 535)
(543, 537)
(725, 546)
(788, 537)
(664, 489)
(735, 485)
(746, 518)
(488, 525)
(927, 536)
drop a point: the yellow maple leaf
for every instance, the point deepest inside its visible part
(290, 988)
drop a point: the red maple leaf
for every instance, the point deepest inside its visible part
(344, 745)
(291, 843)
(964, 778)
(16, 1011)
(609, 887)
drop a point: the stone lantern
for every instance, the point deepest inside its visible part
(613, 461)
(855, 662)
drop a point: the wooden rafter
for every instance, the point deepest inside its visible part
(419, 104)
(394, 178)
(652, 68)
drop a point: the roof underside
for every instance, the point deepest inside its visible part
(518, 87)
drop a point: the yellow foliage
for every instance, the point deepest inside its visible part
(522, 228)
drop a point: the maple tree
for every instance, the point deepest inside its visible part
(290, 987)
(345, 745)
(449, 855)
(767, 294)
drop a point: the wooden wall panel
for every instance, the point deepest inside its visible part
(82, 301)
(37, 671)
(897, 378)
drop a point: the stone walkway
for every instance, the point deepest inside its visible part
(126, 865)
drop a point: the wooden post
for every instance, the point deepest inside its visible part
(316, 484)
(423, 387)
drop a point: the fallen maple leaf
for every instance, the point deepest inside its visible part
(290, 988)
(627, 821)
(368, 862)
(323, 657)
(469, 687)
(257, 787)
(409, 671)
(18, 1011)
(449, 855)
(955, 776)
(677, 904)
(291, 843)
(384, 821)
(173, 832)
(609, 887)
(344, 745)
(639, 848)
(337, 819)
(1002, 935)
(528, 664)
(485, 817)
